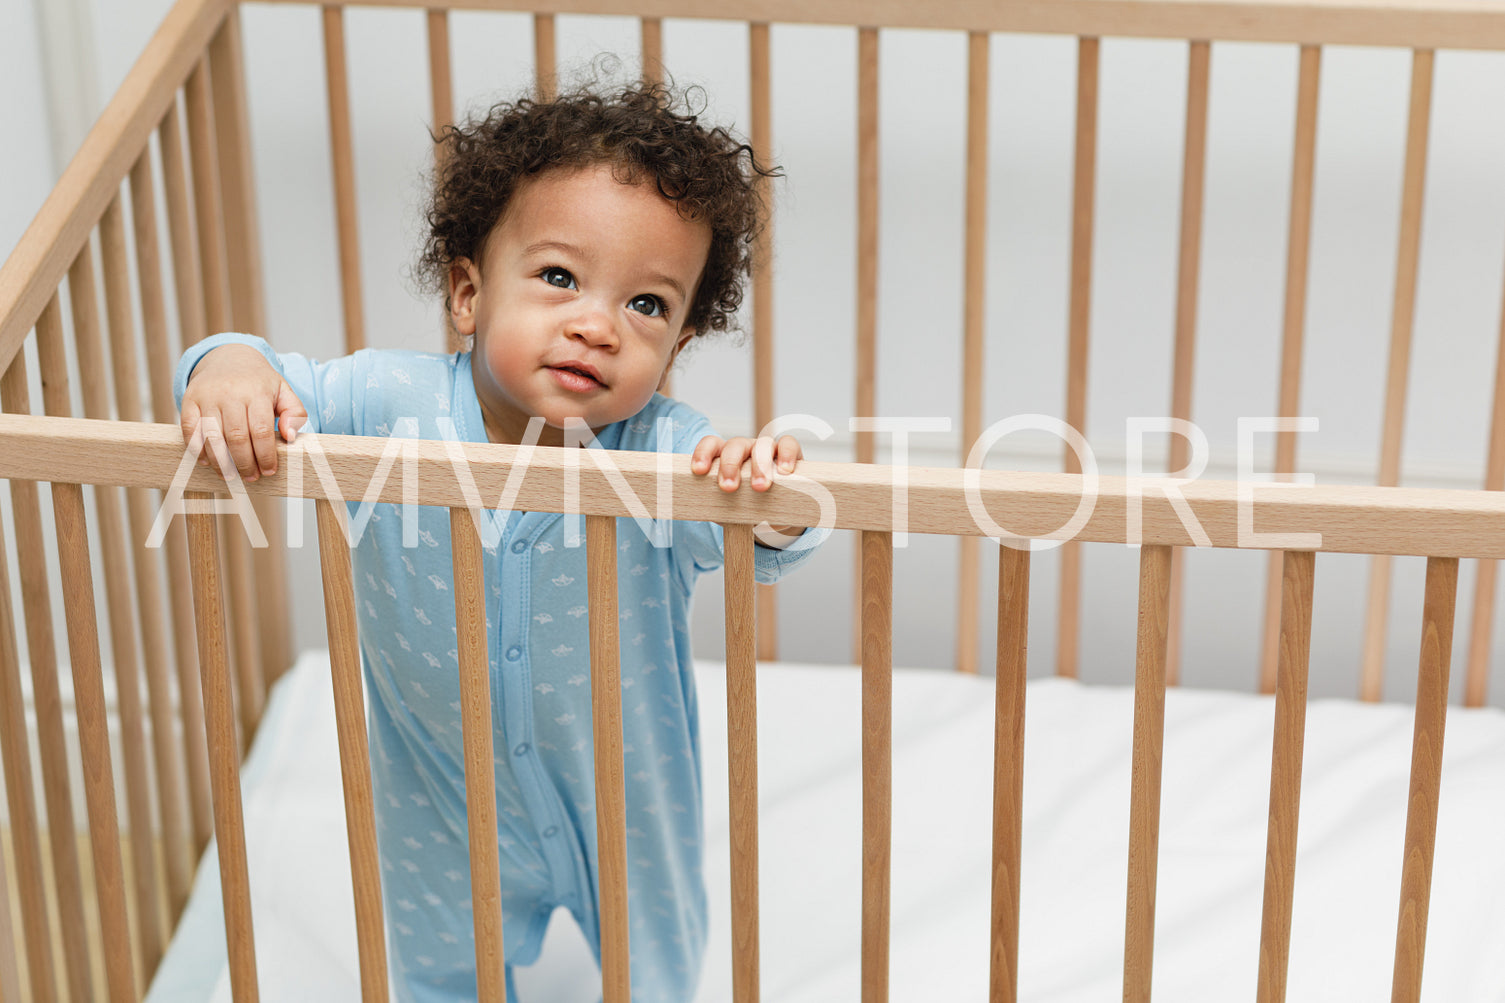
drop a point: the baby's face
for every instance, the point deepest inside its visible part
(580, 304)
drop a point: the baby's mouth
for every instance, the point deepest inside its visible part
(581, 375)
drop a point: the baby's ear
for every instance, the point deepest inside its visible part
(464, 283)
(663, 380)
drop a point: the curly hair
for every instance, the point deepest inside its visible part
(645, 132)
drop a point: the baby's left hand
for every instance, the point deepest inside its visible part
(764, 453)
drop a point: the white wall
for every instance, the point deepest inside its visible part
(1360, 150)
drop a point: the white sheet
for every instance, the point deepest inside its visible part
(1212, 844)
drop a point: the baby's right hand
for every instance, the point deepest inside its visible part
(246, 402)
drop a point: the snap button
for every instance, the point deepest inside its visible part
(521, 750)
(518, 546)
(514, 653)
(551, 830)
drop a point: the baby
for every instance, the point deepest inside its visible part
(581, 243)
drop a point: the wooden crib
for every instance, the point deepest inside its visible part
(204, 618)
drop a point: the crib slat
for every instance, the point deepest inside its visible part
(207, 202)
(652, 34)
(36, 591)
(546, 79)
(83, 633)
(606, 725)
(441, 87)
(338, 94)
(1477, 679)
(113, 537)
(268, 595)
(480, 756)
(867, 255)
(83, 650)
(1426, 774)
(355, 763)
(170, 757)
(10, 974)
(742, 757)
(1144, 794)
(140, 510)
(191, 328)
(149, 285)
(93, 737)
(761, 98)
(239, 576)
(26, 838)
(224, 758)
(867, 234)
(188, 283)
(1188, 270)
(480, 795)
(1298, 246)
(209, 205)
(1008, 770)
(1298, 568)
(1402, 321)
(1084, 185)
(877, 757)
(441, 93)
(973, 325)
(242, 235)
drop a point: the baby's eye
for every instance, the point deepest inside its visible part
(558, 277)
(647, 305)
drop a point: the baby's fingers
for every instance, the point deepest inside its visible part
(239, 418)
(190, 421)
(762, 463)
(787, 453)
(733, 455)
(291, 414)
(706, 451)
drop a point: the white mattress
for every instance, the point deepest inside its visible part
(1212, 845)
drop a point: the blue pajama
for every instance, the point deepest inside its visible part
(540, 685)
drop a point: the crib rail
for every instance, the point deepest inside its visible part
(1442, 525)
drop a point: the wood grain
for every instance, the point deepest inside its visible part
(1298, 248)
(974, 316)
(224, 753)
(877, 758)
(355, 762)
(1358, 519)
(116, 561)
(36, 594)
(606, 727)
(1398, 368)
(1426, 775)
(480, 776)
(1144, 792)
(1008, 771)
(742, 758)
(337, 94)
(1188, 280)
(760, 96)
(1298, 568)
(1079, 313)
(25, 833)
(1478, 25)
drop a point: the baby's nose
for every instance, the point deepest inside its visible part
(593, 326)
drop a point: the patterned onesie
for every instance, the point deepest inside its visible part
(540, 685)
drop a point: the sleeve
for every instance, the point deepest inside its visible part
(699, 546)
(330, 391)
